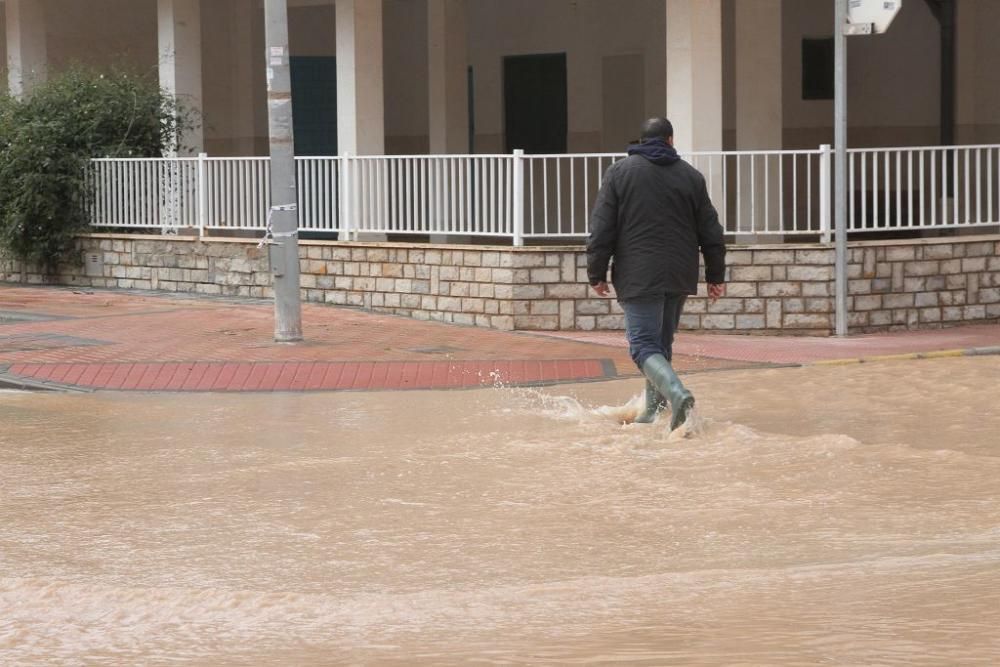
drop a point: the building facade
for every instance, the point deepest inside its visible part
(549, 76)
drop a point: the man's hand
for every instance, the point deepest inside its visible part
(601, 288)
(716, 290)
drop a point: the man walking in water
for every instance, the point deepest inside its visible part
(652, 215)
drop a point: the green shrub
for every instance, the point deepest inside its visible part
(46, 141)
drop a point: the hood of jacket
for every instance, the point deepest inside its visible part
(657, 151)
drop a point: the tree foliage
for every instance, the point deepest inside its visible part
(47, 140)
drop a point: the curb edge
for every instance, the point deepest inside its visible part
(909, 356)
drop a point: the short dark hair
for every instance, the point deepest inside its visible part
(657, 128)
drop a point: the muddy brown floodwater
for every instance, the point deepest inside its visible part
(812, 516)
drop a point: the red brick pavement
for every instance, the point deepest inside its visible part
(130, 341)
(143, 342)
(310, 375)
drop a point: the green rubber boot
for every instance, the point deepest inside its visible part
(654, 405)
(662, 376)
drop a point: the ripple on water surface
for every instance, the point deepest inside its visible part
(832, 516)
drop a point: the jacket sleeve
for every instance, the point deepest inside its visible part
(603, 230)
(710, 237)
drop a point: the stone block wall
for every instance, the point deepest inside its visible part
(786, 289)
(923, 284)
(781, 289)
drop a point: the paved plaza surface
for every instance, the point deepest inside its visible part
(86, 339)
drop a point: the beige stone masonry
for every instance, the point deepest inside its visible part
(771, 289)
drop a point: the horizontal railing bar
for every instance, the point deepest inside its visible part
(771, 232)
(562, 156)
(415, 232)
(440, 156)
(921, 148)
(549, 156)
(801, 151)
(241, 159)
(917, 228)
(150, 159)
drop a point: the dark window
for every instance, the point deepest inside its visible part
(817, 69)
(535, 103)
(314, 106)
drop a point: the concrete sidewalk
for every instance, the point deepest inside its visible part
(54, 337)
(805, 350)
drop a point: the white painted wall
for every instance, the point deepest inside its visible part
(102, 32)
(586, 30)
(234, 92)
(978, 104)
(892, 79)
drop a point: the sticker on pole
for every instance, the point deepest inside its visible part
(876, 13)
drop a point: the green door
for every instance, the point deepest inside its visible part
(314, 104)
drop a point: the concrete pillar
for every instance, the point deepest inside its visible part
(179, 23)
(694, 85)
(448, 83)
(694, 73)
(758, 75)
(759, 122)
(26, 45)
(360, 88)
(360, 83)
(967, 66)
(244, 48)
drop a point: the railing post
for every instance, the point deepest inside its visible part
(344, 201)
(518, 196)
(90, 181)
(825, 189)
(202, 192)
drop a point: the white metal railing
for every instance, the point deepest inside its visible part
(923, 188)
(769, 192)
(525, 197)
(755, 192)
(145, 193)
(236, 193)
(470, 195)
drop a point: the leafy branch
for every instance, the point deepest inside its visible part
(47, 140)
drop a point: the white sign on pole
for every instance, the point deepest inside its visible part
(877, 13)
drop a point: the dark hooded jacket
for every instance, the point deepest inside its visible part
(652, 215)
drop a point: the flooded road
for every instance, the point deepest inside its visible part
(840, 515)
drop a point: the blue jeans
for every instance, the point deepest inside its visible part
(650, 325)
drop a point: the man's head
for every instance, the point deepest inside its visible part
(658, 128)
